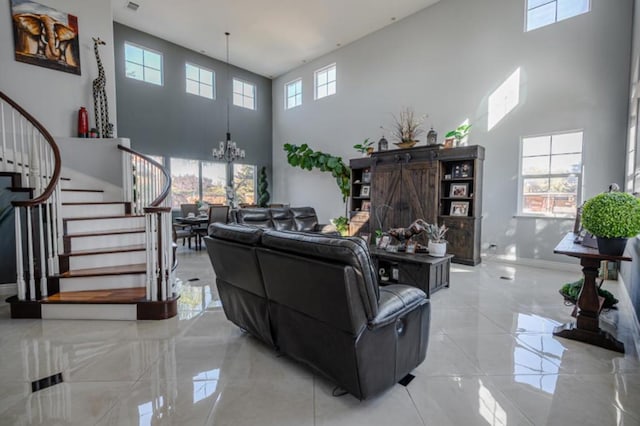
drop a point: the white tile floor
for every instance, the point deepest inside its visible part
(492, 360)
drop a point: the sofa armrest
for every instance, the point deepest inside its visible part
(396, 300)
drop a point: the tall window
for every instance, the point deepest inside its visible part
(143, 64)
(200, 81)
(541, 13)
(293, 94)
(244, 182)
(551, 174)
(214, 177)
(244, 94)
(325, 81)
(185, 182)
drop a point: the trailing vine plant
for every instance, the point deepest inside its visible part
(263, 194)
(307, 159)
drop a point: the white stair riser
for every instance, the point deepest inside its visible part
(92, 210)
(104, 260)
(110, 224)
(65, 184)
(103, 282)
(106, 241)
(125, 312)
(82, 197)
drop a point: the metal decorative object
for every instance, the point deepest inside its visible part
(432, 137)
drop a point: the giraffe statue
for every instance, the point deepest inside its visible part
(100, 106)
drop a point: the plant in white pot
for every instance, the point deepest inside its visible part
(612, 217)
(437, 244)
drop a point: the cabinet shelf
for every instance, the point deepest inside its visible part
(459, 179)
(457, 198)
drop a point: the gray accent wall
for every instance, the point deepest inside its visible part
(446, 60)
(165, 120)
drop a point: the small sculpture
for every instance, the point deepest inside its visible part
(100, 105)
(417, 227)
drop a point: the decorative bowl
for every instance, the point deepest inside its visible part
(408, 144)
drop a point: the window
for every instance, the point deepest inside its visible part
(293, 94)
(244, 94)
(200, 81)
(214, 178)
(551, 174)
(541, 13)
(185, 182)
(143, 64)
(325, 81)
(244, 182)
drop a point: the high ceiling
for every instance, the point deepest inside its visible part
(267, 37)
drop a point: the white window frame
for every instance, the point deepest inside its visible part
(144, 67)
(316, 86)
(234, 93)
(296, 94)
(521, 177)
(527, 9)
(199, 82)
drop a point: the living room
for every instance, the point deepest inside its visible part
(446, 61)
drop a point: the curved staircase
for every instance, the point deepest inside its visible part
(80, 253)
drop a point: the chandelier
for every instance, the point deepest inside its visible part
(228, 150)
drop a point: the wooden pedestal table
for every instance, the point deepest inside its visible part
(587, 326)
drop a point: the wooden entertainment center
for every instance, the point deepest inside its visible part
(391, 189)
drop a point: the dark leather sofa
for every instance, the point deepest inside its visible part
(316, 299)
(302, 219)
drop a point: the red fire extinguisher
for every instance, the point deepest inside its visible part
(83, 123)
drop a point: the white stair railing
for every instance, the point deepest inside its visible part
(29, 151)
(147, 184)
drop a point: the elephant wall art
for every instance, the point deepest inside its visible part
(45, 37)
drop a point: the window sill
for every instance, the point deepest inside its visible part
(525, 216)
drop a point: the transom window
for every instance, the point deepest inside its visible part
(143, 64)
(200, 81)
(244, 94)
(541, 13)
(293, 94)
(551, 174)
(325, 81)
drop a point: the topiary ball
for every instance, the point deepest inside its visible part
(612, 215)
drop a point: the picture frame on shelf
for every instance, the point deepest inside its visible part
(459, 190)
(366, 206)
(411, 247)
(366, 176)
(462, 170)
(365, 191)
(459, 208)
(384, 242)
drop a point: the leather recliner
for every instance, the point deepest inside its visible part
(302, 219)
(321, 302)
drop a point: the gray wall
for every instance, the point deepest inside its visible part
(445, 61)
(165, 120)
(54, 97)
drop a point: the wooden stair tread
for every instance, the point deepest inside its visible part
(120, 249)
(101, 233)
(81, 190)
(102, 217)
(120, 295)
(140, 268)
(92, 203)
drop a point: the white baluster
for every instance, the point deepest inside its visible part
(163, 252)
(147, 233)
(30, 260)
(4, 138)
(154, 258)
(19, 260)
(49, 219)
(34, 162)
(23, 168)
(43, 269)
(15, 141)
(59, 227)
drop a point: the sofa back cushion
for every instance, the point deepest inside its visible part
(322, 271)
(282, 219)
(259, 217)
(305, 218)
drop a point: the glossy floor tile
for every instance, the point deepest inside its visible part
(491, 360)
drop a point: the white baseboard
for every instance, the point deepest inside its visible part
(9, 288)
(537, 263)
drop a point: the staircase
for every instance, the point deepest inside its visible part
(82, 253)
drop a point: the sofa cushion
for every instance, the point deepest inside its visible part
(282, 219)
(255, 217)
(235, 233)
(305, 218)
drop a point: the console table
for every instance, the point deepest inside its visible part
(587, 326)
(428, 273)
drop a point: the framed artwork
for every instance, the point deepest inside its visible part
(459, 208)
(366, 176)
(462, 170)
(366, 206)
(45, 37)
(365, 190)
(384, 241)
(459, 190)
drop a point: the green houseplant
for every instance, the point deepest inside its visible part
(342, 225)
(263, 193)
(459, 133)
(612, 217)
(365, 147)
(437, 244)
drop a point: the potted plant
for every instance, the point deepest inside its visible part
(437, 244)
(342, 225)
(459, 133)
(407, 128)
(365, 148)
(612, 217)
(379, 234)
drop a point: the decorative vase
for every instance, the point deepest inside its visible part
(437, 249)
(611, 246)
(83, 123)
